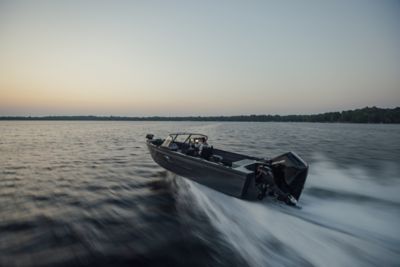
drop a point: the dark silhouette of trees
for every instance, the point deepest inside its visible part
(364, 115)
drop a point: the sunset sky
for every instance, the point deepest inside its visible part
(144, 58)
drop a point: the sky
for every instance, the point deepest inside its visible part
(179, 58)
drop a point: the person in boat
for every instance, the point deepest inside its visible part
(198, 145)
(193, 149)
(203, 145)
(199, 148)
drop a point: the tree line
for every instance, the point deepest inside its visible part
(363, 115)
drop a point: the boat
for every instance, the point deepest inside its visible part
(246, 177)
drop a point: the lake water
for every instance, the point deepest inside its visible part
(89, 194)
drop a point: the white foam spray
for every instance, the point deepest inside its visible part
(347, 219)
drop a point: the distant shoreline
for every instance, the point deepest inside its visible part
(364, 115)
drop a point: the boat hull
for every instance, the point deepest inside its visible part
(213, 175)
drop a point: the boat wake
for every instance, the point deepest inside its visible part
(348, 218)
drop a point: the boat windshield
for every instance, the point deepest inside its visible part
(189, 138)
(181, 138)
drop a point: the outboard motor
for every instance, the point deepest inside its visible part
(282, 177)
(268, 183)
(149, 136)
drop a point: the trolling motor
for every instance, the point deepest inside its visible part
(269, 183)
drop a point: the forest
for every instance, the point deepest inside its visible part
(363, 115)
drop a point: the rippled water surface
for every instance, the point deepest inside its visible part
(89, 194)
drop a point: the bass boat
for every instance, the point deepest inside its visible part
(238, 175)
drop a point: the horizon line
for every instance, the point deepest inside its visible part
(192, 116)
